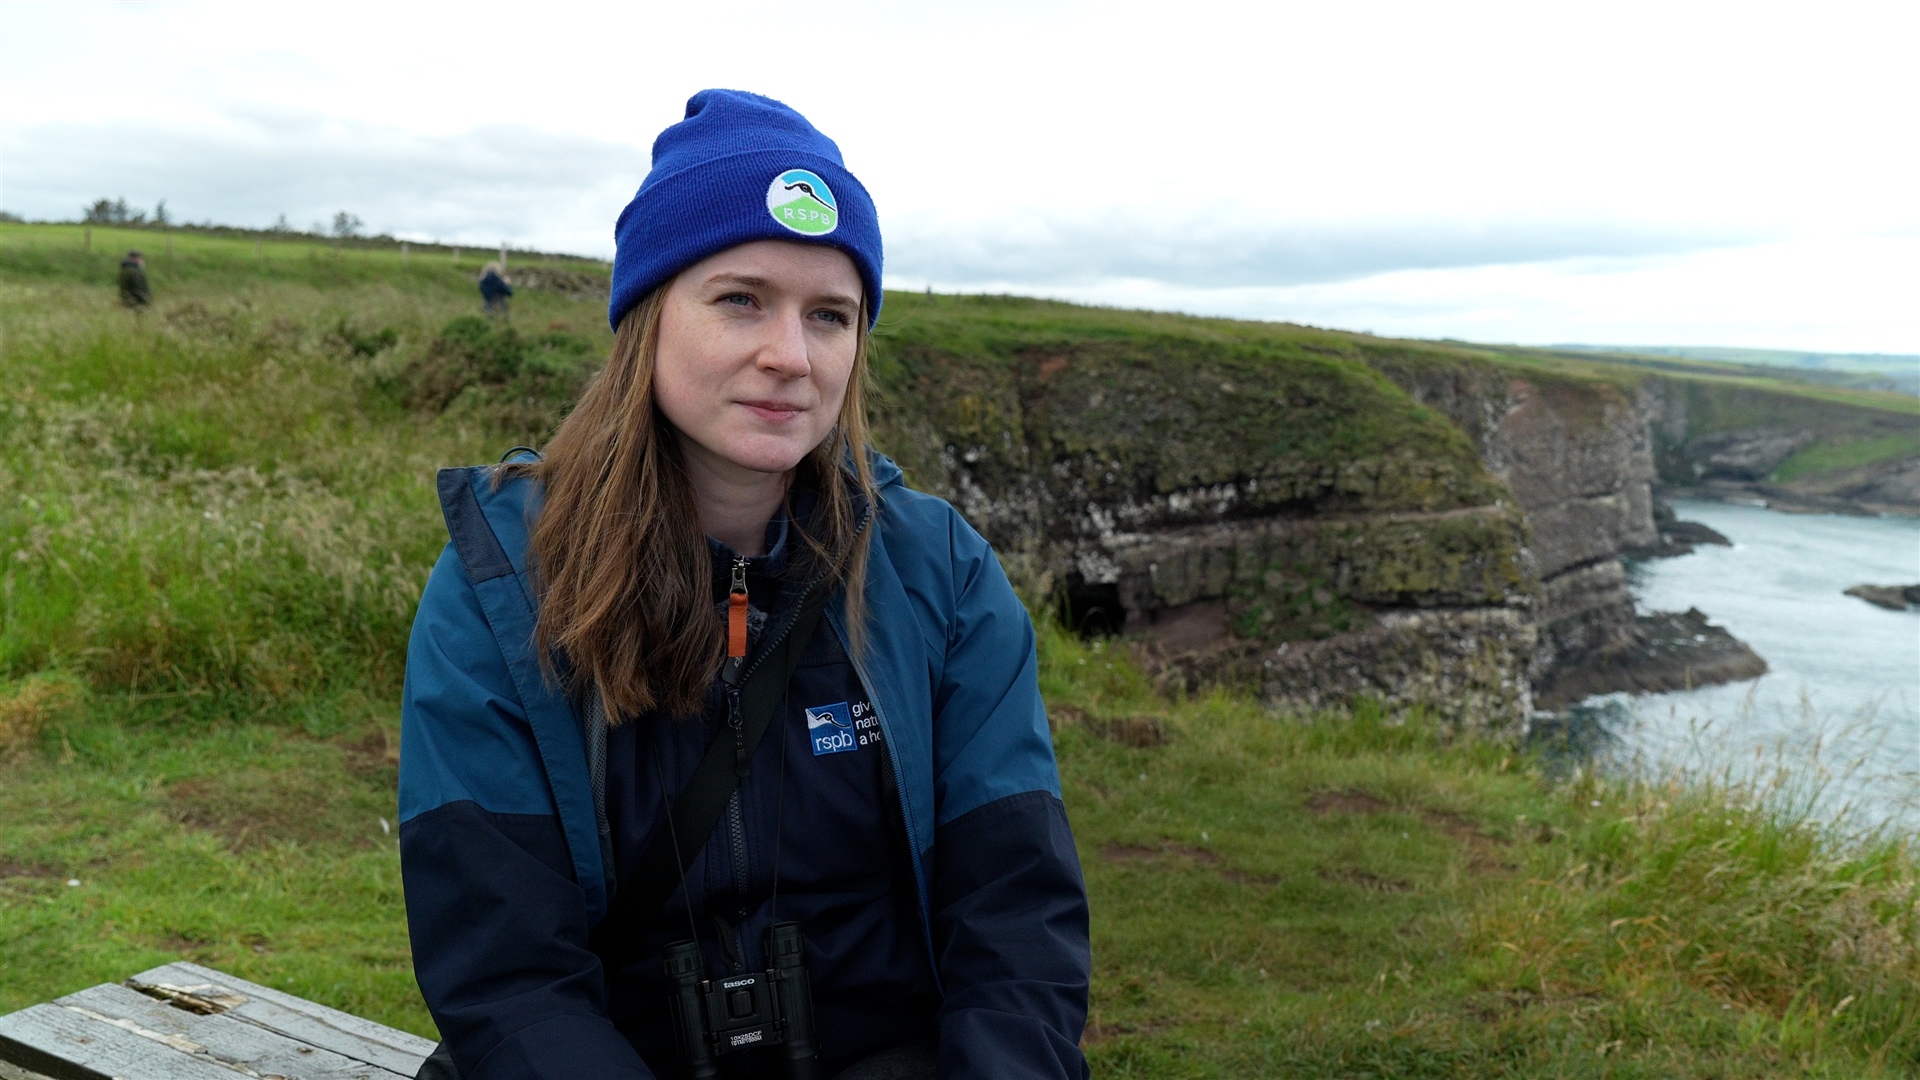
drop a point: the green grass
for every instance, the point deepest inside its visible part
(1832, 457)
(1344, 898)
(214, 519)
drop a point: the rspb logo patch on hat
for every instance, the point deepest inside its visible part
(801, 201)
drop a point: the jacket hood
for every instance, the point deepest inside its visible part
(885, 473)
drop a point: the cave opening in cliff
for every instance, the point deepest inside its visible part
(1093, 608)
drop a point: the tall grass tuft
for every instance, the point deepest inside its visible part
(1733, 890)
(206, 503)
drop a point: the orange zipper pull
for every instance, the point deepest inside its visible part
(737, 612)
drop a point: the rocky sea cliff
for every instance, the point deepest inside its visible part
(1320, 515)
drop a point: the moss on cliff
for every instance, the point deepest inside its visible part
(1126, 408)
(1454, 560)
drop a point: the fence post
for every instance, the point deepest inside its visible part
(503, 254)
(256, 249)
(169, 243)
(86, 242)
(403, 253)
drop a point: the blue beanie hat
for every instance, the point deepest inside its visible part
(739, 168)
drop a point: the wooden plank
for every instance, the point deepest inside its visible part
(205, 989)
(225, 1039)
(68, 1045)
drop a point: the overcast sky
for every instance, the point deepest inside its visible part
(1707, 174)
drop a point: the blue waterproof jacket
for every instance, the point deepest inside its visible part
(494, 287)
(506, 870)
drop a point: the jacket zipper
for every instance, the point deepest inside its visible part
(735, 672)
(736, 817)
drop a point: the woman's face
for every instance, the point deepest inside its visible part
(756, 346)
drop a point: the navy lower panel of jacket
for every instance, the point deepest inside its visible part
(1010, 925)
(516, 970)
(513, 970)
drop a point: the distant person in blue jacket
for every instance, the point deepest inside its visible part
(495, 289)
(612, 615)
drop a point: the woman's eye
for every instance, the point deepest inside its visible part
(738, 299)
(832, 316)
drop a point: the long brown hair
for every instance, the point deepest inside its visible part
(620, 561)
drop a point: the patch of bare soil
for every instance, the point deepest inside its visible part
(1241, 877)
(1140, 732)
(377, 753)
(1353, 875)
(1098, 1032)
(1505, 1004)
(186, 946)
(1124, 853)
(251, 808)
(1139, 853)
(193, 945)
(13, 868)
(1484, 850)
(1347, 802)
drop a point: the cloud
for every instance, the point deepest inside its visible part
(1825, 293)
(499, 182)
(1237, 248)
(561, 191)
(1530, 274)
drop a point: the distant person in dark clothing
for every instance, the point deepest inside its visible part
(495, 289)
(134, 290)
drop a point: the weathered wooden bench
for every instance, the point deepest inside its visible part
(187, 1022)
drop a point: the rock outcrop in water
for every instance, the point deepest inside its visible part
(1664, 651)
(1891, 597)
(1676, 537)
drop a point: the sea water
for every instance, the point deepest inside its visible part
(1835, 722)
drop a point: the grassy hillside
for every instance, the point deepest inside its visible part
(214, 519)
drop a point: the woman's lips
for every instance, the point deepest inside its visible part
(777, 412)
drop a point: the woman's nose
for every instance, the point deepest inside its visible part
(785, 351)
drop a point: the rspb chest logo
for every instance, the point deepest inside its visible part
(831, 728)
(840, 727)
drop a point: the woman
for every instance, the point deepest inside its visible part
(707, 667)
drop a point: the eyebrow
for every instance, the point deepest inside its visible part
(751, 282)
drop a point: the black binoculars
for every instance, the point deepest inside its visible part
(715, 1018)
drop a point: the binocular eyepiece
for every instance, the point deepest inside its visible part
(715, 1018)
